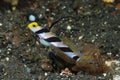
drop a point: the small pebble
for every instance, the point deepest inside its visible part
(47, 9)
(53, 14)
(117, 55)
(28, 45)
(32, 18)
(0, 50)
(25, 65)
(37, 43)
(63, 7)
(5, 73)
(93, 41)
(43, 7)
(1, 24)
(8, 52)
(118, 26)
(69, 27)
(80, 37)
(28, 69)
(83, 24)
(105, 22)
(7, 59)
(40, 15)
(97, 35)
(104, 74)
(14, 8)
(109, 53)
(9, 49)
(46, 73)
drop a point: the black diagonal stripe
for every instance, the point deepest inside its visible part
(42, 31)
(75, 57)
(53, 39)
(65, 49)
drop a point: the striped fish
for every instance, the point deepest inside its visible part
(47, 38)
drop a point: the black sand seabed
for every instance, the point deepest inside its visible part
(89, 21)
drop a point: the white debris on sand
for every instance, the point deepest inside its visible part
(116, 77)
(115, 66)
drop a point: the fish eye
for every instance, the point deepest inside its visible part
(32, 24)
